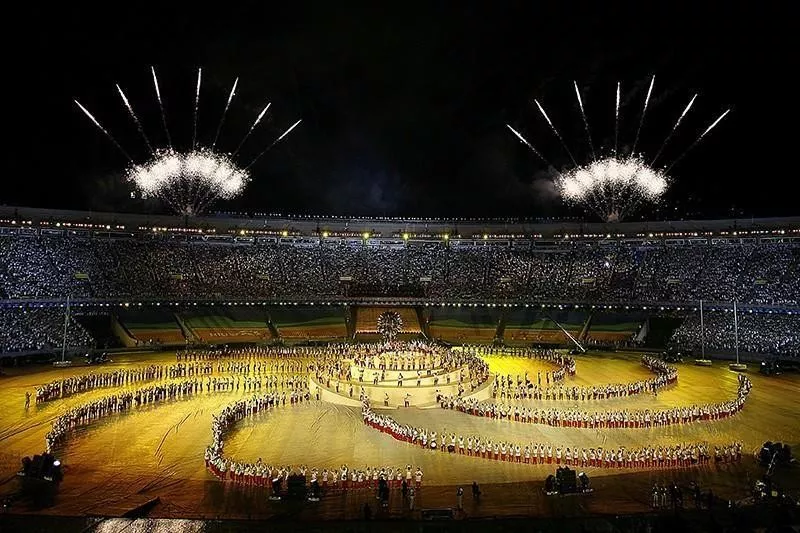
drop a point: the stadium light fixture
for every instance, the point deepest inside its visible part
(366, 235)
(324, 234)
(405, 236)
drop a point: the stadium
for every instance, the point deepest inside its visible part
(553, 319)
(488, 266)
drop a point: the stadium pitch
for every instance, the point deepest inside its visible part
(158, 450)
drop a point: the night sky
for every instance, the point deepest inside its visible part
(404, 108)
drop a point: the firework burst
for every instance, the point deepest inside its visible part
(614, 185)
(188, 182)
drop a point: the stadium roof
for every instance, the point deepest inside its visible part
(242, 224)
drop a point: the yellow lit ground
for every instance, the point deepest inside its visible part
(158, 450)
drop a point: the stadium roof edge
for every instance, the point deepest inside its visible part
(387, 227)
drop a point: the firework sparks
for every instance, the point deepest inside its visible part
(255, 123)
(135, 118)
(583, 115)
(672, 131)
(161, 106)
(616, 120)
(196, 106)
(700, 138)
(644, 112)
(225, 112)
(607, 185)
(276, 141)
(101, 128)
(614, 185)
(529, 145)
(552, 127)
(187, 181)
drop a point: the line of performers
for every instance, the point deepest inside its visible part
(260, 474)
(127, 400)
(599, 457)
(61, 388)
(274, 371)
(522, 387)
(644, 418)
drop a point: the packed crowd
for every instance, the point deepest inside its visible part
(675, 456)
(623, 419)
(39, 328)
(761, 333)
(517, 387)
(46, 266)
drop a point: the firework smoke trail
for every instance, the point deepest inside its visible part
(616, 121)
(644, 111)
(541, 109)
(161, 106)
(196, 106)
(135, 119)
(255, 123)
(529, 145)
(700, 138)
(585, 120)
(276, 141)
(101, 128)
(225, 112)
(672, 132)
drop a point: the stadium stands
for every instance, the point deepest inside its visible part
(187, 273)
(45, 266)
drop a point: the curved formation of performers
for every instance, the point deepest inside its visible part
(484, 448)
(260, 474)
(124, 401)
(278, 376)
(61, 388)
(620, 419)
(520, 388)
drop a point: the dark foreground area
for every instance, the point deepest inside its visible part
(757, 518)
